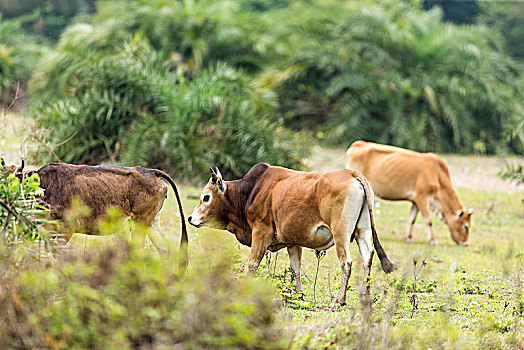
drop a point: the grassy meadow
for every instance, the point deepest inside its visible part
(465, 297)
(468, 297)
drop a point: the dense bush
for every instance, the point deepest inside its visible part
(20, 210)
(45, 17)
(394, 74)
(508, 18)
(129, 106)
(197, 33)
(19, 54)
(148, 86)
(127, 298)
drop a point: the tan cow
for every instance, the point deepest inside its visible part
(422, 178)
(272, 208)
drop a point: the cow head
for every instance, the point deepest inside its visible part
(207, 210)
(459, 225)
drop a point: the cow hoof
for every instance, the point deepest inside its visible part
(341, 303)
(433, 242)
(409, 240)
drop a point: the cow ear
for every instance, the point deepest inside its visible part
(220, 182)
(460, 213)
(471, 211)
(221, 186)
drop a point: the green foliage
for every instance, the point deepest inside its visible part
(148, 86)
(515, 132)
(458, 12)
(19, 207)
(397, 75)
(197, 33)
(508, 18)
(19, 54)
(513, 173)
(48, 17)
(129, 106)
(285, 286)
(125, 297)
(220, 118)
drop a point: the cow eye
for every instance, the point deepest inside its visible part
(206, 198)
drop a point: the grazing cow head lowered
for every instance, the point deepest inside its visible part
(421, 178)
(272, 208)
(459, 225)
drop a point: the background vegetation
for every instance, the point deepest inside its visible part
(204, 79)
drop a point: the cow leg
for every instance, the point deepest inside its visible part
(159, 240)
(67, 234)
(262, 237)
(365, 247)
(426, 214)
(342, 231)
(411, 222)
(342, 239)
(345, 265)
(295, 256)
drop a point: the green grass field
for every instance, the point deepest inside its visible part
(467, 297)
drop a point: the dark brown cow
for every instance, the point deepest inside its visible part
(422, 178)
(138, 192)
(272, 208)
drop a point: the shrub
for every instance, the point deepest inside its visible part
(394, 74)
(19, 207)
(19, 54)
(130, 107)
(125, 297)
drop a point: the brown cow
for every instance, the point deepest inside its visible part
(272, 208)
(138, 192)
(422, 178)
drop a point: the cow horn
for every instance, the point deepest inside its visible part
(219, 175)
(23, 164)
(3, 162)
(214, 176)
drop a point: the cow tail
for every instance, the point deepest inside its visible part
(387, 265)
(183, 239)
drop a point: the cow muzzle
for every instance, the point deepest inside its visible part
(194, 222)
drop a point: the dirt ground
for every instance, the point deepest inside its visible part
(13, 130)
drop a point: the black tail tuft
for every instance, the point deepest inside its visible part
(387, 265)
